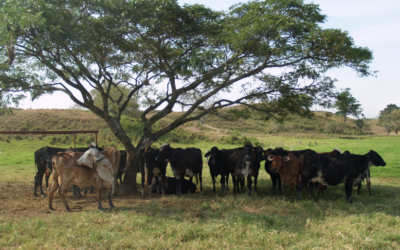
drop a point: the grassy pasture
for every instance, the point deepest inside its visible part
(205, 220)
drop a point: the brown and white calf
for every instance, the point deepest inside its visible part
(287, 166)
(84, 169)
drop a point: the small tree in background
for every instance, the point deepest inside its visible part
(347, 105)
(389, 118)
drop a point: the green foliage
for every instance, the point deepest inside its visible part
(389, 118)
(139, 48)
(347, 105)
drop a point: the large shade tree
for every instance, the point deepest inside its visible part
(160, 51)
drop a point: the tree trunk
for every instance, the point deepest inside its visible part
(345, 119)
(131, 170)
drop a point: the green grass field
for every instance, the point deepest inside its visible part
(220, 221)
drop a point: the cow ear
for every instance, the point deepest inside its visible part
(207, 154)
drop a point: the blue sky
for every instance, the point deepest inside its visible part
(372, 23)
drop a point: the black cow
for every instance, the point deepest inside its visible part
(150, 168)
(275, 177)
(171, 184)
(184, 162)
(43, 158)
(217, 163)
(333, 170)
(366, 175)
(245, 163)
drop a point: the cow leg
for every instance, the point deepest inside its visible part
(213, 181)
(62, 191)
(36, 184)
(47, 181)
(222, 184)
(242, 183)
(255, 182)
(358, 189)
(97, 188)
(279, 185)
(40, 185)
(274, 181)
(227, 181)
(234, 184)
(76, 191)
(109, 197)
(301, 185)
(249, 182)
(292, 188)
(180, 184)
(349, 188)
(143, 181)
(368, 182)
(162, 183)
(52, 189)
(201, 181)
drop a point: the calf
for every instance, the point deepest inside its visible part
(218, 165)
(245, 163)
(286, 165)
(333, 170)
(150, 168)
(184, 162)
(84, 169)
(171, 184)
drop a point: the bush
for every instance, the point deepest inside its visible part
(18, 137)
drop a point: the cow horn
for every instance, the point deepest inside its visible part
(270, 157)
(286, 159)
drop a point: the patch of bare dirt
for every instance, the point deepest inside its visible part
(17, 201)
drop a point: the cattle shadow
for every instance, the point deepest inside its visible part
(265, 209)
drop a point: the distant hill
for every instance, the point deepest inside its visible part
(211, 128)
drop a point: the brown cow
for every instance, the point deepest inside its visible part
(84, 169)
(287, 166)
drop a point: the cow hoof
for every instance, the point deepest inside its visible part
(35, 195)
(43, 195)
(52, 209)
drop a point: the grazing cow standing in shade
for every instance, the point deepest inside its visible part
(43, 158)
(84, 169)
(218, 165)
(245, 163)
(287, 166)
(150, 168)
(184, 162)
(333, 170)
(334, 152)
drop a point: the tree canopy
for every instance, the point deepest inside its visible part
(159, 51)
(347, 105)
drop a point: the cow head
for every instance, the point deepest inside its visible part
(247, 153)
(278, 157)
(164, 153)
(91, 156)
(375, 159)
(214, 155)
(258, 153)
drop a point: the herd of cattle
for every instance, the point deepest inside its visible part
(93, 166)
